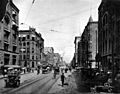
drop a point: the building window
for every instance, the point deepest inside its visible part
(6, 59)
(24, 57)
(33, 57)
(14, 37)
(28, 43)
(105, 20)
(14, 48)
(23, 39)
(28, 50)
(28, 36)
(33, 64)
(7, 20)
(24, 44)
(6, 35)
(33, 39)
(6, 46)
(14, 15)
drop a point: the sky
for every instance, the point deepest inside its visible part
(59, 21)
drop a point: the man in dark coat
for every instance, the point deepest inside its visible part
(62, 79)
(3, 4)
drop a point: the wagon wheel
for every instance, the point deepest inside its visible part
(109, 90)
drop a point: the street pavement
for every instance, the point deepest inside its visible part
(70, 86)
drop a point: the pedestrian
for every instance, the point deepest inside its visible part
(38, 71)
(54, 74)
(62, 79)
(24, 70)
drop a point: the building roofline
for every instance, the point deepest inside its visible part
(13, 5)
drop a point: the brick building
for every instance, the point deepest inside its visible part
(89, 42)
(109, 33)
(9, 48)
(76, 41)
(31, 47)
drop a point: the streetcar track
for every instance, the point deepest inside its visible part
(53, 83)
(11, 91)
(40, 87)
(21, 84)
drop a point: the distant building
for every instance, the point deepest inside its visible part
(57, 59)
(49, 55)
(31, 48)
(9, 48)
(48, 50)
(80, 54)
(89, 41)
(77, 39)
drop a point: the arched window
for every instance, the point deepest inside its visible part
(7, 19)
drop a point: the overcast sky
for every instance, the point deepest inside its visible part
(59, 21)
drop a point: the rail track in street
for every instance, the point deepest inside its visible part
(38, 85)
(23, 85)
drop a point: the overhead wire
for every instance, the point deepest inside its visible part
(29, 10)
(64, 17)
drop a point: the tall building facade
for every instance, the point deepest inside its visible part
(80, 54)
(31, 48)
(109, 34)
(89, 42)
(76, 41)
(9, 47)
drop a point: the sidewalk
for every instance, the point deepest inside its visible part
(24, 78)
(71, 88)
(1, 76)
